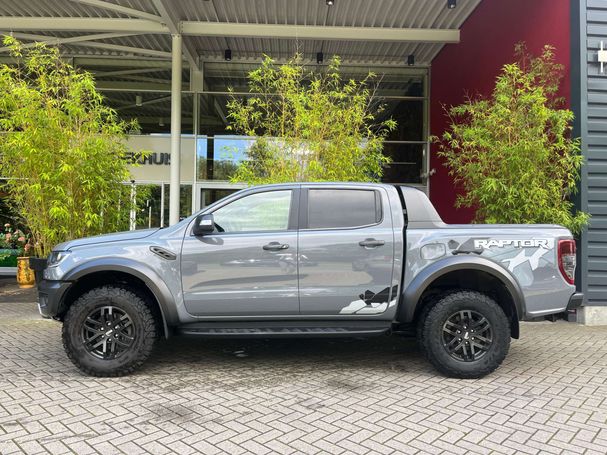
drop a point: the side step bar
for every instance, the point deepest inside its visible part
(285, 330)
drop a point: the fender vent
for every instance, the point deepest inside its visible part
(164, 254)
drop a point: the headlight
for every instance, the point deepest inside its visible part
(56, 257)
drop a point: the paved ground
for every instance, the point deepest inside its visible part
(350, 396)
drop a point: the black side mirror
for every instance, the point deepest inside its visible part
(203, 224)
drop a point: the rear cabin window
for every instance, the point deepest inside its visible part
(328, 208)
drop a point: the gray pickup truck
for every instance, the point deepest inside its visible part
(310, 260)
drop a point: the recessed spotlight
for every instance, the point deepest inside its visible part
(451, 4)
(227, 55)
(411, 60)
(319, 57)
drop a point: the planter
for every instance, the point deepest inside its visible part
(25, 275)
(38, 265)
(8, 257)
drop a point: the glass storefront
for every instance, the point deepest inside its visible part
(211, 153)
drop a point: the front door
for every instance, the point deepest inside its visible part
(346, 251)
(248, 266)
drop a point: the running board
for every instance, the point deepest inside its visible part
(285, 330)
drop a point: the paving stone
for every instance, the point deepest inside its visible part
(295, 396)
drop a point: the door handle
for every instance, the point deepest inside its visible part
(371, 243)
(275, 246)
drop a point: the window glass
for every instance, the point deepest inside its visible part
(342, 208)
(267, 211)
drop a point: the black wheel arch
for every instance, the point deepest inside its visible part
(463, 272)
(137, 277)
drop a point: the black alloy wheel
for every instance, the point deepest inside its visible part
(108, 332)
(467, 335)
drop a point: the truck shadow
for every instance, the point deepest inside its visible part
(275, 357)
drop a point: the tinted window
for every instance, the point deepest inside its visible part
(342, 208)
(257, 212)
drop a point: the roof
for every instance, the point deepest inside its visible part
(127, 43)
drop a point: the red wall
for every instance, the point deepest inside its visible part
(470, 67)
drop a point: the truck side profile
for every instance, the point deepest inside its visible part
(310, 260)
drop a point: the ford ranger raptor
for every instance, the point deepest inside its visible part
(310, 260)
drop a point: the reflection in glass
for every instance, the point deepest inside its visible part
(219, 156)
(267, 211)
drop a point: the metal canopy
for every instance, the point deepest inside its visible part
(361, 31)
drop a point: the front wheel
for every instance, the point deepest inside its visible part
(466, 334)
(109, 331)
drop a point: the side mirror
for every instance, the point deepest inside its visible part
(203, 224)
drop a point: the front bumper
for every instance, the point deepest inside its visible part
(575, 301)
(50, 295)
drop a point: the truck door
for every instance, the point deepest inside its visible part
(346, 251)
(248, 266)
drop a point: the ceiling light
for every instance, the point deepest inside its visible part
(319, 57)
(227, 55)
(411, 60)
(451, 4)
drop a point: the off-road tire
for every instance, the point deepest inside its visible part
(144, 331)
(430, 334)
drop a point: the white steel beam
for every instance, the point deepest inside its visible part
(131, 86)
(205, 28)
(119, 61)
(418, 35)
(119, 9)
(100, 74)
(81, 24)
(56, 40)
(85, 41)
(175, 179)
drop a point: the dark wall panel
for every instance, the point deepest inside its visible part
(593, 30)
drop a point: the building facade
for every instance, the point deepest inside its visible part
(171, 64)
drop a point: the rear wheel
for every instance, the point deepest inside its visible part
(109, 331)
(466, 334)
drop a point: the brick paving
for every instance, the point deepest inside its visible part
(293, 396)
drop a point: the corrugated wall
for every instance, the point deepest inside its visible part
(593, 104)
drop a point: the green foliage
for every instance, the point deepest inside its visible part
(311, 126)
(512, 153)
(62, 149)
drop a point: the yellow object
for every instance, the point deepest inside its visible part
(25, 275)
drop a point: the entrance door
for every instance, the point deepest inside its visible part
(346, 251)
(248, 266)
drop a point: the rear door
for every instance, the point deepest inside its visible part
(346, 251)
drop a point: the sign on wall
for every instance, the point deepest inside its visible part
(156, 167)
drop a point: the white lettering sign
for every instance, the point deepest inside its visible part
(518, 243)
